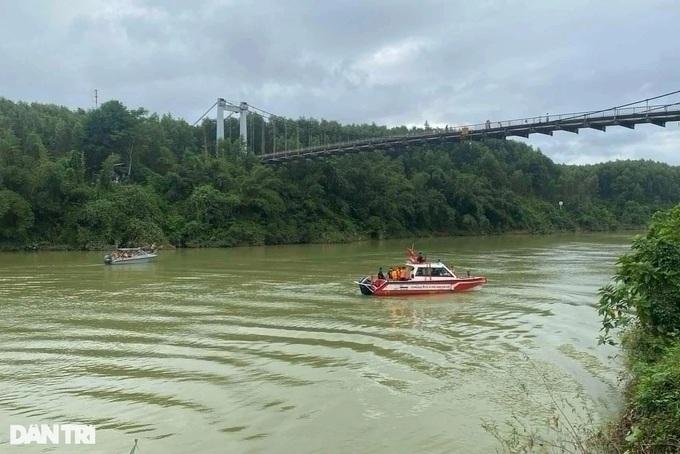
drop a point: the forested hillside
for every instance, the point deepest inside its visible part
(90, 179)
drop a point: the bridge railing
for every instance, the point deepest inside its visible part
(583, 116)
(517, 123)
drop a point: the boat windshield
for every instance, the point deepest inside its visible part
(440, 272)
(434, 271)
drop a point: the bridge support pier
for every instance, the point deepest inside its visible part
(242, 110)
(221, 104)
(243, 122)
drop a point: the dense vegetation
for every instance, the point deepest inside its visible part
(89, 179)
(645, 300)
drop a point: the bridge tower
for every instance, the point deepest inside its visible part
(242, 110)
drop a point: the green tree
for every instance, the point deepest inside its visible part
(645, 300)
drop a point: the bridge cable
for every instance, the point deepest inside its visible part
(266, 113)
(231, 134)
(206, 113)
(626, 105)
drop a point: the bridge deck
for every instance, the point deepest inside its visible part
(600, 120)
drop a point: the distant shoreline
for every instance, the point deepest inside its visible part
(50, 247)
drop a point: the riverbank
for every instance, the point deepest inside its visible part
(74, 197)
(46, 246)
(643, 304)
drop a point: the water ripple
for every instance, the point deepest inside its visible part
(190, 354)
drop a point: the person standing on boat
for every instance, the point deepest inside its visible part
(381, 275)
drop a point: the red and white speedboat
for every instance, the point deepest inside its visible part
(419, 276)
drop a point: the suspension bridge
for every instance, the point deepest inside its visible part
(280, 139)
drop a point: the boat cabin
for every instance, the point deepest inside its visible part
(423, 271)
(418, 268)
(428, 271)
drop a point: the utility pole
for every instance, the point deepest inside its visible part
(96, 103)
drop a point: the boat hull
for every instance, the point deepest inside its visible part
(129, 261)
(419, 287)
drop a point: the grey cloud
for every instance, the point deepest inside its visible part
(384, 61)
(646, 142)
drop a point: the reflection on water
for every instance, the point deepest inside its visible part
(274, 349)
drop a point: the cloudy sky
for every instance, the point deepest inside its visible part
(390, 62)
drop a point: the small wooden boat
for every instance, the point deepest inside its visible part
(125, 256)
